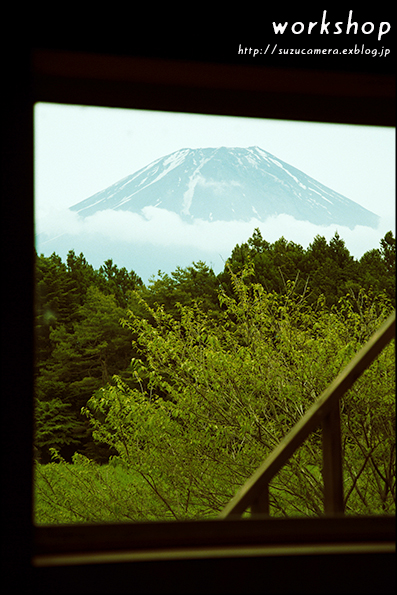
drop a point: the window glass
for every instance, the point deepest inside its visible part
(160, 384)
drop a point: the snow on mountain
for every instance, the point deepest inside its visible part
(228, 184)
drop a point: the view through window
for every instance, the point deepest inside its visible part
(195, 278)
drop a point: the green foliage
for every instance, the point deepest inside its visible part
(55, 425)
(184, 387)
(79, 346)
(328, 267)
(118, 282)
(85, 492)
(378, 267)
(233, 391)
(196, 284)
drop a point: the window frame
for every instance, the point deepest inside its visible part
(126, 81)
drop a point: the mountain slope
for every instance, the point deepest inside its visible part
(228, 184)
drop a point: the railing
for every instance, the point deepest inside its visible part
(254, 494)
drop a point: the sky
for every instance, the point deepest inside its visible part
(81, 150)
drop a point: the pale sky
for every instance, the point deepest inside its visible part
(81, 150)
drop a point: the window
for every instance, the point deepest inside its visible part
(139, 84)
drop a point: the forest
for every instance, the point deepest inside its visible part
(158, 401)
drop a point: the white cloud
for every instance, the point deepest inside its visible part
(159, 227)
(160, 240)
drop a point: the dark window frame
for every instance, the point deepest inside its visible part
(139, 83)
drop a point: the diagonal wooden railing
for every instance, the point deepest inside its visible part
(254, 494)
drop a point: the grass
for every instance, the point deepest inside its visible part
(84, 492)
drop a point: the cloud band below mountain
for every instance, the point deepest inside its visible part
(159, 227)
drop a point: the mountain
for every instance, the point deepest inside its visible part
(228, 184)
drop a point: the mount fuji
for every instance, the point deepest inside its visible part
(227, 184)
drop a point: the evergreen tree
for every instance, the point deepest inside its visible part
(388, 252)
(195, 284)
(377, 267)
(81, 345)
(118, 282)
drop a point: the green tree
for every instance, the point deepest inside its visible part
(273, 264)
(118, 282)
(60, 290)
(49, 302)
(377, 267)
(388, 252)
(195, 284)
(332, 268)
(83, 359)
(222, 366)
(80, 343)
(235, 387)
(55, 427)
(81, 275)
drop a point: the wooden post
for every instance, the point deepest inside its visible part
(260, 505)
(332, 462)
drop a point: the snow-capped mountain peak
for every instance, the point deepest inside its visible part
(228, 183)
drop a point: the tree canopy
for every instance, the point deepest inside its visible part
(189, 382)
